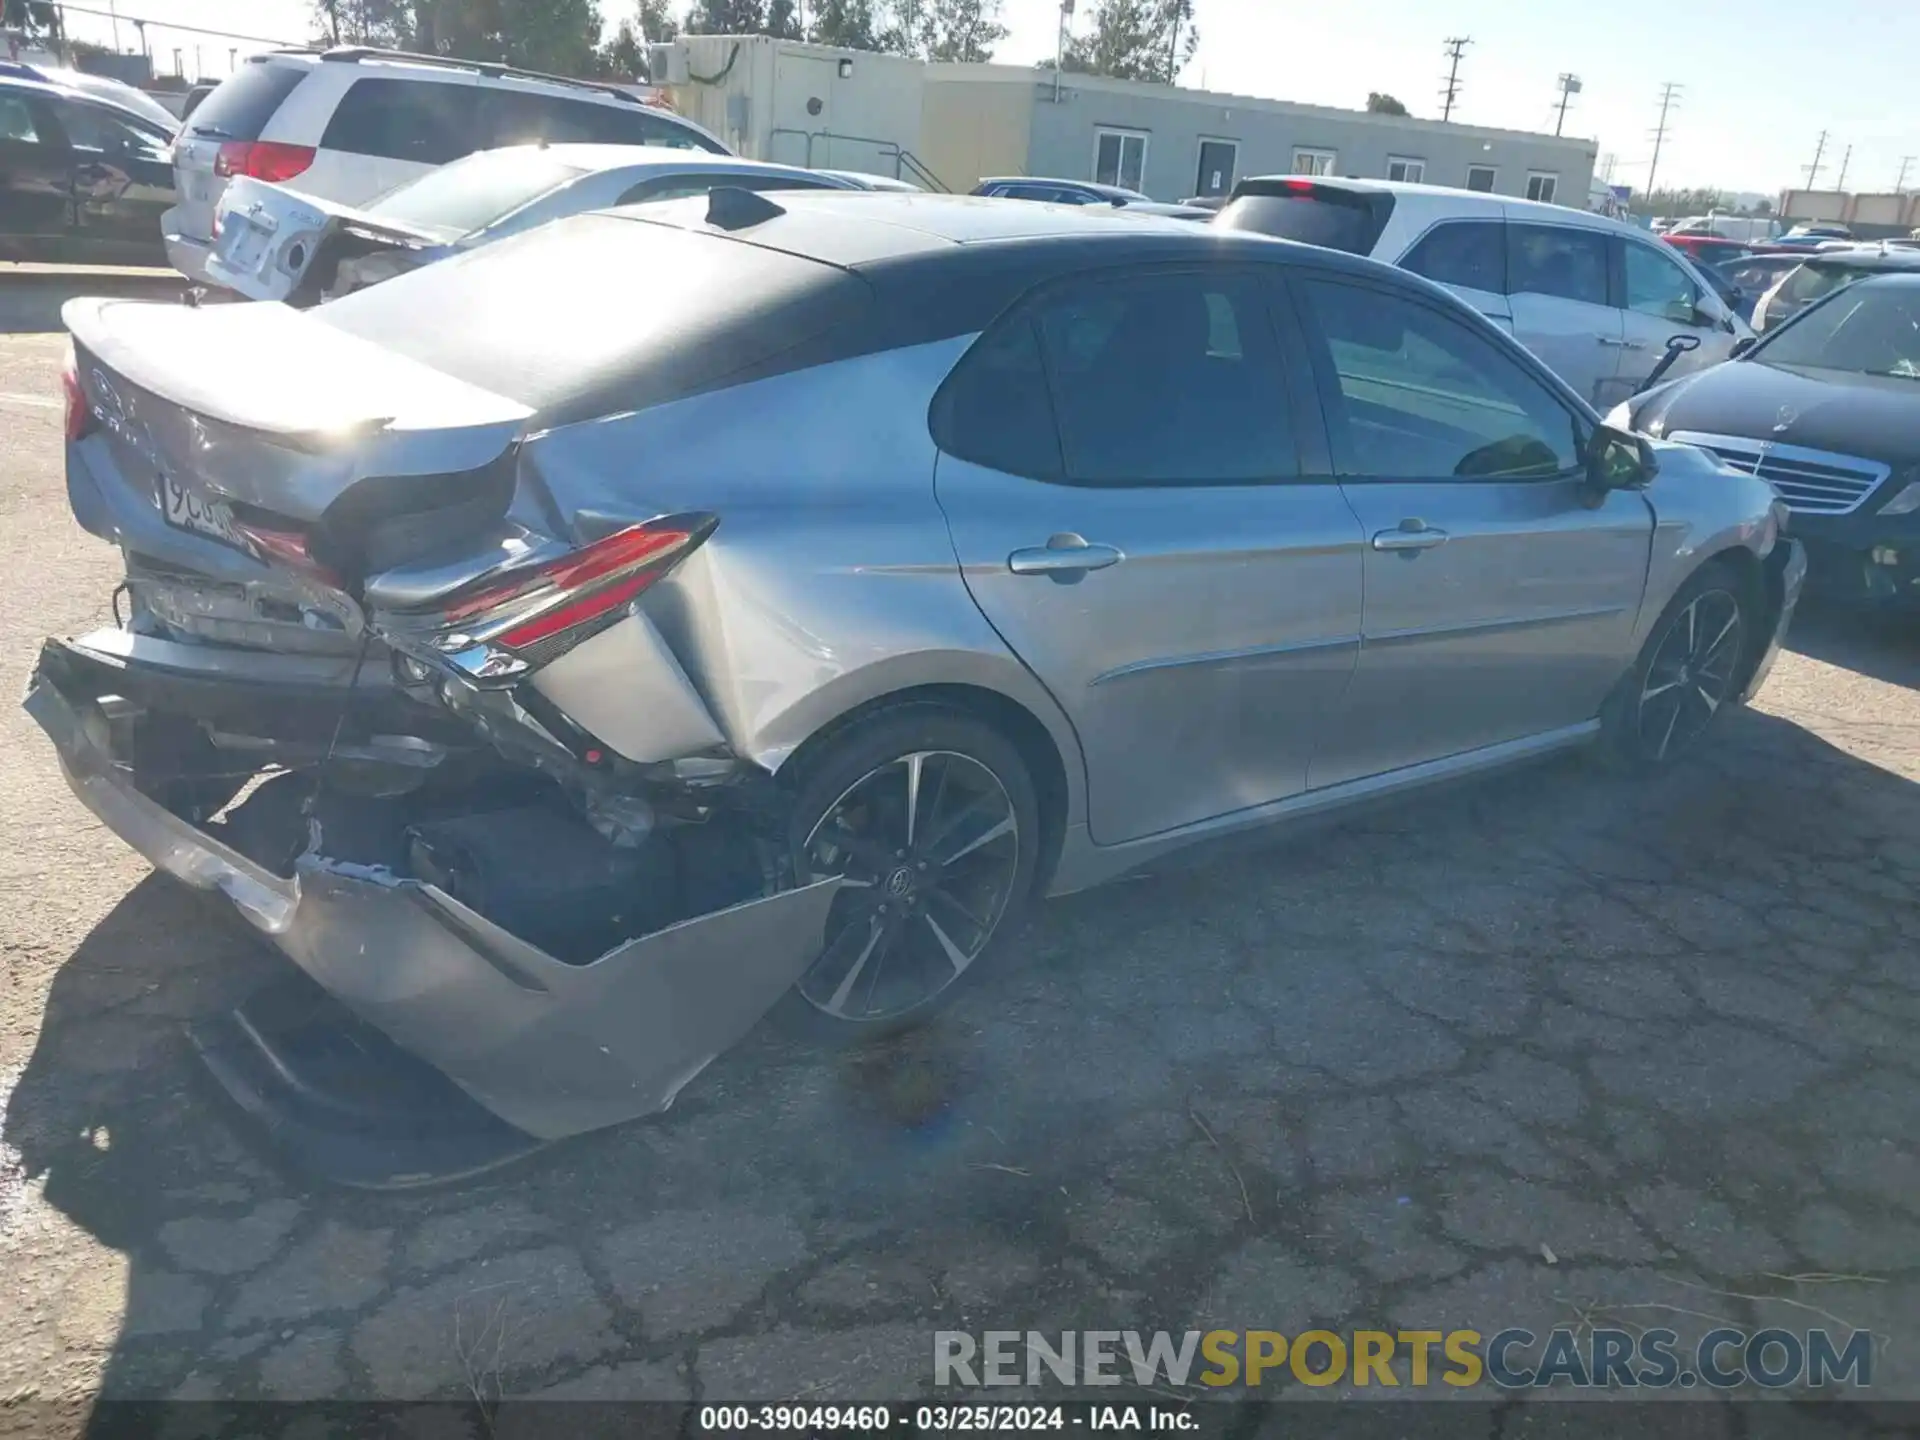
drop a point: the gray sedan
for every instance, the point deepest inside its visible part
(274, 242)
(617, 659)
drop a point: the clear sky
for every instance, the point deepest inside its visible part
(1761, 78)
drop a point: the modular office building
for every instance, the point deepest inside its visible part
(948, 126)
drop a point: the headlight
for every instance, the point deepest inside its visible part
(1620, 417)
(1906, 502)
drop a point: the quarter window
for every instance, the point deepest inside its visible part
(1410, 171)
(1557, 260)
(1421, 397)
(1468, 253)
(1657, 286)
(1313, 162)
(1541, 187)
(1120, 158)
(995, 410)
(1480, 177)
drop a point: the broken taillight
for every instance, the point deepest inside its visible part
(512, 622)
(261, 159)
(79, 416)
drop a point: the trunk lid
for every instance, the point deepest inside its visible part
(259, 412)
(273, 243)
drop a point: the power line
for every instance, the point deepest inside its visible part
(144, 21)
(1669, 92)
(1569, 87)
(1456, 47)
(1818, 150)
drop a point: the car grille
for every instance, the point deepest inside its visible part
(1811, 482)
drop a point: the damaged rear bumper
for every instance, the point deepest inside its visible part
(552, 1049)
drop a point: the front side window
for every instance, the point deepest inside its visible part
(89, 128)
(1469, 253)
(16, 121)
(1411, 172)
(428, 122)
(1422, 397)
(1541, 187)
(1160, 379)
(1559, 261)
(1120, 158)
(1480, 177)
(1313, 162)
(1657, 286)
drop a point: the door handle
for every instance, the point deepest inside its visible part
(1633, 344)
(1609, 340)
(1411, 537)
(1065, 558)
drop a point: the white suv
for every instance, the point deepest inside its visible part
(350, 124)
(1597, 300)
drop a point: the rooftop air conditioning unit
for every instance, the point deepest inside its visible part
(667, 64)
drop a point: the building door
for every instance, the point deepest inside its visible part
(1217, 161)
(802, 109)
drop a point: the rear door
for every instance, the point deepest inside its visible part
(1469, 257)
(1558, 297)
(387, 130)
(1137, 492)
(1499, 602)
(36, 198)
(1660, 300)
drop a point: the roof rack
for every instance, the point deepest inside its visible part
(353, 54)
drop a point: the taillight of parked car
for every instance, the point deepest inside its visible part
(261, 159)
(79, 416)
(514, 622)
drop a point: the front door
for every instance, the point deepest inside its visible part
(1661, 300)
(1557, 291)
(1121, 473)
(1499, 605)
(1217, 161)
(122, 180)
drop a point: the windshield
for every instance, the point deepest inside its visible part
(1870, 330)
(471, 194)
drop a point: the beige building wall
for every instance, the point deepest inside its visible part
(975, 122)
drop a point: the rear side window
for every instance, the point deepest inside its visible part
(239, 107)
(1810, 282)
(1557, 260)
(429, 122)
(523, 117)
(1163, 379)
(1312, 214)
(1469, 253)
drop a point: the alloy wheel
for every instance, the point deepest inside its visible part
(1691, 673)
(928, 849)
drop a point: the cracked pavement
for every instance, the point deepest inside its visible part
(1368, 1075)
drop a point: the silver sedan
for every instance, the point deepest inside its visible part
(674, 609)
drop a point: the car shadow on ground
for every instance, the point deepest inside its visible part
(1159, 1055)
(30, 303)
(1884, 645)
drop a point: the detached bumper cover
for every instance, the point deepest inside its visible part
(552, 1049)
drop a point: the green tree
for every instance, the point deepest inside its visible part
(1381, 103)
(1136, 40)
(31, 17)
(850, 24)
(783, 20)
(727, 17)
(963, 30)
(624, 57)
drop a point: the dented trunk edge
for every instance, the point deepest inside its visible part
(550, 1048)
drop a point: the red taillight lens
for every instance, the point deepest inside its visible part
(79, 412)
(579, 593)
(288, 547)
(1299, 187)
(261, 159)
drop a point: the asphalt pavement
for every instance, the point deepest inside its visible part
(1558, 1049)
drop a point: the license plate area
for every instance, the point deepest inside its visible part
(243, 241)
(184, 509)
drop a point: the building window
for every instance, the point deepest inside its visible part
(1120, 158)
(1399, 167)
(1218, 161)
(1313, 162)
(1480, 177)
(1540, 186)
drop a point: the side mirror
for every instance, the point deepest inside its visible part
(1742, 346)
(1617, 461)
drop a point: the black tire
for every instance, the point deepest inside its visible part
(1685, 675)
(914, 914)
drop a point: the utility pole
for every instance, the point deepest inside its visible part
(113, 13)
(1669, 92)
(1900, 183)
(1607, 162)
(1456, 47)
(1845, 160)
(1181, 8)
(1569, 87)
(1818, 150)
(1060, 46)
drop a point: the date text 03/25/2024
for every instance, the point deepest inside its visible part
(940, 1418)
